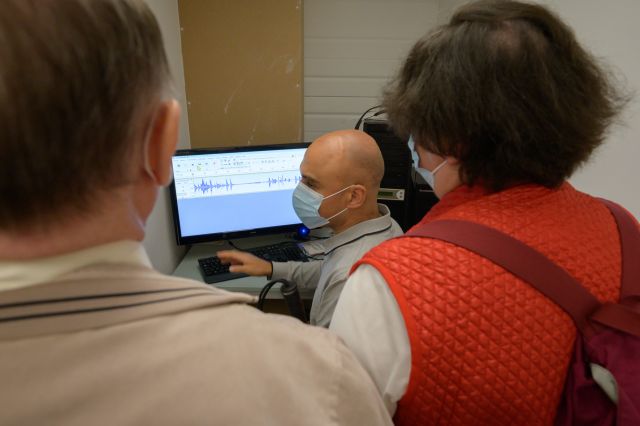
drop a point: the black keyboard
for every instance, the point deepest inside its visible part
(214, 271)
(282, 252)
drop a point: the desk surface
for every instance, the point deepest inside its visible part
(189, 268)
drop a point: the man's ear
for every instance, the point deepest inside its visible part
(163, 139)
(358, 196)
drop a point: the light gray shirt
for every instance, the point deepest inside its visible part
(332, 260)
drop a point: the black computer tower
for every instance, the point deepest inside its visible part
(408, 200)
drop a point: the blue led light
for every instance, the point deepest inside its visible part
(303, 231)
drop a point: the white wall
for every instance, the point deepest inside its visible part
(351, 49)
(160, 241)
(610, 30)
(446, 9)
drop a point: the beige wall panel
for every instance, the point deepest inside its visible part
(352, 48)
(243, 71)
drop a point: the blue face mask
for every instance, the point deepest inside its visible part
(307, 202)
(428, 176)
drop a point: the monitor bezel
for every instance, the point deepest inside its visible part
(204, 238)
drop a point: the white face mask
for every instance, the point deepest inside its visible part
(428, 176)
(307, 202)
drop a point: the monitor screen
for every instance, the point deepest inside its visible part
(234, 192)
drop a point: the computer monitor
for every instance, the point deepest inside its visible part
(235, 192)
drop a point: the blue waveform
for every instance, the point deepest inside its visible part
(281, 180)
(228, 184)
(205, 187)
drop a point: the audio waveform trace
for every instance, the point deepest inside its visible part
(228, 184)
(214, 186)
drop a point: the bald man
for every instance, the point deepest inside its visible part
(341, 173)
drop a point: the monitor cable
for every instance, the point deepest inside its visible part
(361, 119)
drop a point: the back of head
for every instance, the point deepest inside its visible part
(348, 157)
(77, 79)
(506, 89)
(363, 162)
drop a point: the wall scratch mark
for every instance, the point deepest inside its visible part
(233, 95)
(255, 125)
(291, 63)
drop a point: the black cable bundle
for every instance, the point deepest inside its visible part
(359, 122)
(291, 296)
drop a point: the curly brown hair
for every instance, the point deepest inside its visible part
(506, 89)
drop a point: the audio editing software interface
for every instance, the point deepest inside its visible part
(236, 191)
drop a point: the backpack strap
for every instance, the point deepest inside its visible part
(626, 314)
(630, 242)
(543, 274)
(521, 260)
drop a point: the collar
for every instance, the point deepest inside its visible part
(357, 231)
(464, 194)
(19, 274)
(454, 198)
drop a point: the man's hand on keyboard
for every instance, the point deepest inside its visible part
(244, 262)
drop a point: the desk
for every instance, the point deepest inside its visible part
(189, 268)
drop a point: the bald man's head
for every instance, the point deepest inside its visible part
(346, 168)
(351, 156)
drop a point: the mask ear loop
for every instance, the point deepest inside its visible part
(343, 210)
(339, 213)
(336, 193)
(441, 165)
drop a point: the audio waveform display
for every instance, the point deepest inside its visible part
(228, 184)
(219, 186)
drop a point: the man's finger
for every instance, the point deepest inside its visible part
(237, 268)
(227, 256)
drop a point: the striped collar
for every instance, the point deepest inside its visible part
(357, 231)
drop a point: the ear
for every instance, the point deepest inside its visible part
(163, 139)
(452, 161)
(357, 197)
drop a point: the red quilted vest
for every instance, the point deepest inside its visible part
(486, 348)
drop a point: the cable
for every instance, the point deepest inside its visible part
(365, 113)
(291, 296)
(234, 246)
(264, 292)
